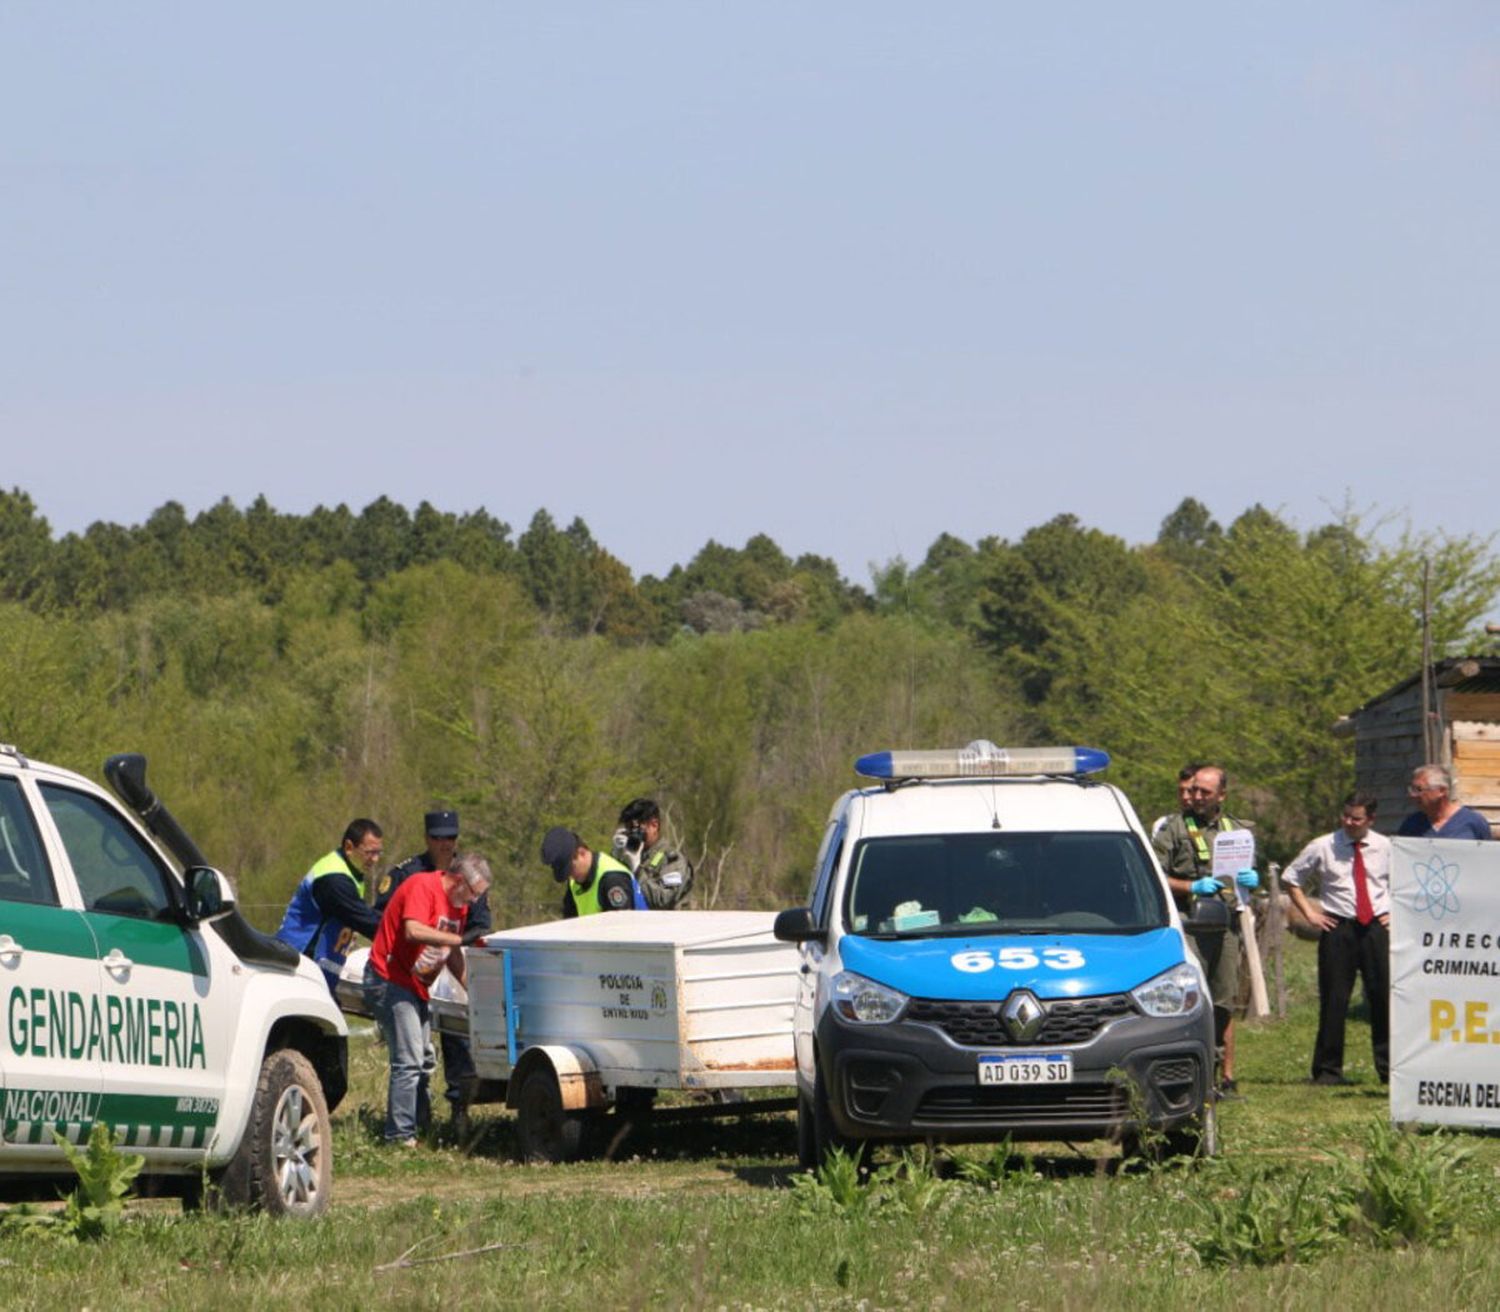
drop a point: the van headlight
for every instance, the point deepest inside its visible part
(1174, 992)
(863, 1000)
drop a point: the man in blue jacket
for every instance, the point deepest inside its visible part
(328, 907)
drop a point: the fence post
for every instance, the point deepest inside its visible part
(1277, 936)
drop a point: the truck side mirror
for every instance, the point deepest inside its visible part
(209, 894)
(797, 926)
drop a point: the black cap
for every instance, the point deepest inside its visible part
(441, 824)
(558, 849)
(639, 811)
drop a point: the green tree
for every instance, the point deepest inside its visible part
(1190, 536)
(25, 547)
(1040, 596)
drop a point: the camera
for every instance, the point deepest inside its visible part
(627, 842)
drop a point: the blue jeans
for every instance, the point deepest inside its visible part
(406, 1024)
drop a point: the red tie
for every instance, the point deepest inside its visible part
(1363, 911)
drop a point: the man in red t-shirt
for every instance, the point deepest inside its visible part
(420, 933)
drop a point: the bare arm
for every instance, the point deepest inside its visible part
(417, 932)
(1183, 888)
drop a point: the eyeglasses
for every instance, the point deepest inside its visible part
(1416, 790)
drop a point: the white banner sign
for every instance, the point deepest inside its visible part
(1445, 981)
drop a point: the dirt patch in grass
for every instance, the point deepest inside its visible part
(450, 1180)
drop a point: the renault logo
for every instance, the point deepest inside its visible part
(1023, 1016)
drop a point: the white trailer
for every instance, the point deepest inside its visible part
(574, 1017)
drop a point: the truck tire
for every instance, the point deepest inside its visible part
(546, 1132)
(284, 1164)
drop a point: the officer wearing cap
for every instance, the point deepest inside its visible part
(441, 828)
(596, 882)
(664, 874)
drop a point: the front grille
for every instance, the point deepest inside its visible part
(977, 1105)
(979, 1025)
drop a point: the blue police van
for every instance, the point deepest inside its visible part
(991, 950)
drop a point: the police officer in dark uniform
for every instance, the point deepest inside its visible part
(664, 874)
(596, 882)
(459, 1073)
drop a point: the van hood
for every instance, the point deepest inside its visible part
(986, 967)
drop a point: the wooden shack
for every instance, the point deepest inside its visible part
(1464, 697)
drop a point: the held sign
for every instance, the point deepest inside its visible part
(1445, 981)
(1234, 850)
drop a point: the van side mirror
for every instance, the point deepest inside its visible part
(797, 926)
(209, 894)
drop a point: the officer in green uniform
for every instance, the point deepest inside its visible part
(1184, 846)
(664, 874)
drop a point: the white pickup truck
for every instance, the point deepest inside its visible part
(133, 993)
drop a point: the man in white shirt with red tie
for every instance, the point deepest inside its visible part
(1353, 868)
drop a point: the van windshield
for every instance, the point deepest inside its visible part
(935, 884)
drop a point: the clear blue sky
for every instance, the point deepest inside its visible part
(852, 274)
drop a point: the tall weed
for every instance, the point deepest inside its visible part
(840, 1186)
(1268, 1219)
(1406, 1190)
(97, 1204)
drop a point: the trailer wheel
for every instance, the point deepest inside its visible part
(546, 1132)
(284, 1164)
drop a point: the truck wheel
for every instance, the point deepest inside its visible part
(284, 1164)
(546, 1132)
(826, 1135)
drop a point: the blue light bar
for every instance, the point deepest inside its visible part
(981, 760)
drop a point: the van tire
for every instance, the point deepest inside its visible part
(826, 1136)
(284, 1164)
(1198, 1138)
(807, 1142)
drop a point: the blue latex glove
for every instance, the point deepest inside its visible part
(1247, 879)
(1208, 886)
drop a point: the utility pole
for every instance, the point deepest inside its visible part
(1429, 745)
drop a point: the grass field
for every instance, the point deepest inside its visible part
(706, 1215)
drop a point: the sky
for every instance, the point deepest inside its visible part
(850, 273)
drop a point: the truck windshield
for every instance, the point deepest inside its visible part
(933, 884)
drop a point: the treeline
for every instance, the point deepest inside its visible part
(285, 673)
(570, 579)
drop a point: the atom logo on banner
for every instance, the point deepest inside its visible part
(1436, 895)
